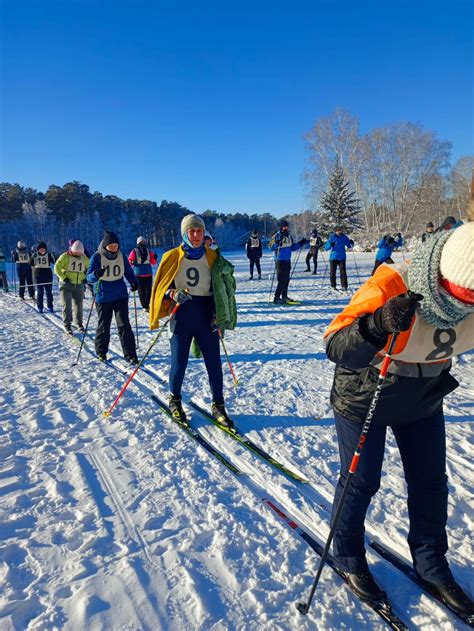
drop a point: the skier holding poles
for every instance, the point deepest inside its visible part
(110, 266)
(315, 242)
(433, 325)
(283, 245)
(201, 281)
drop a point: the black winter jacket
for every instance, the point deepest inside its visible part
(402, 400)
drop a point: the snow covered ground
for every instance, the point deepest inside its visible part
(126, 523)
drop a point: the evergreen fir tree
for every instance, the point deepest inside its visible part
(340, 207)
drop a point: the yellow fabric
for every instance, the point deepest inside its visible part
(160, 307)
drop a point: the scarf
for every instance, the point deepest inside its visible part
(142, 253)
(192, 253)
(438, 307)
(109, 255)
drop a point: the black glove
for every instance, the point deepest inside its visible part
(397, 313)
(180, 296)
(66, 281)
(133, 287)
(399, 235)
(351, 241)
(100, 272)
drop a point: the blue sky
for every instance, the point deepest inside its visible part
(206, 103)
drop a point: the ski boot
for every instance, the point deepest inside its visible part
(101, 358)
(40, 309)
(133, 361)
(219, 413)
(81, 329)
(176, 408)
(307, 270)
(453, 595)
(68, 329)
(250, 277)
(363, 584)
(259, 277)
(278, 301)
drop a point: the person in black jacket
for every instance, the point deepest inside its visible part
(315, 242)
(254, 253)
(429, 304)
(428, 231)
(41, 262)
(21, 258)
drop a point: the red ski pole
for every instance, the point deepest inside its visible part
(162, 328)
(304, 607)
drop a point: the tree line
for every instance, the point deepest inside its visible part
(390, 179)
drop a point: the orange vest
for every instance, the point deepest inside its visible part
(422, 342)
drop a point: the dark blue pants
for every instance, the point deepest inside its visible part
(193, 319)
(47, 289)
(423, 450)
(105, 311)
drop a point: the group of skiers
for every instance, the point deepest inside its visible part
(426, 307)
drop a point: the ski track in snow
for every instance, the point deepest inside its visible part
(125, 523)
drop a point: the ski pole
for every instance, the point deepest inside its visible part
(85, 331)
(303, 608)
(234, 378)
(325, 265)
(136, 319)
(296, 262)
(355, 263)
(125, 386)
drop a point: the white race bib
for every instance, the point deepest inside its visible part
(41, 261)
(23, 257)
(195, 276)
(115, 269)
(76, 264)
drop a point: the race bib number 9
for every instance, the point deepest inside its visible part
(192, 277)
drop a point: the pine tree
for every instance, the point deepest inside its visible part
(340, 207)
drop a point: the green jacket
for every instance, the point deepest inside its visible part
(73, 268)
(223, 287)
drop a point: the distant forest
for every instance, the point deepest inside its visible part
(72, 211)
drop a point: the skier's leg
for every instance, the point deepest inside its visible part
(332, 273)
(251, 264)
(280, 278)
(49, 295)
(22, 283)
(29, 282)
(259, 269)
(286, 278)
(423, 450)
(315, 261)
(209, 344)
(147, 283)
(78, 298)
(127, 338)
(65, 293)
(180, 343)
(105, 311)
(39, 296)
(342, 268)
(308, 261)
(142, 291)
(349, 549)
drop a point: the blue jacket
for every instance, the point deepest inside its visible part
(338, 244)
(385, 250)
(110, 290)
(283, 245)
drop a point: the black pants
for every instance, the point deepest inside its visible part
(378, 263)
(105, 310)
(314, 256)
(422, 447)
(283, 269)
(255, 262)
(4, 280)
(333, 265)
(144, 290)
(46, 288)
(25, 278)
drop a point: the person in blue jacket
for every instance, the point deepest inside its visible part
(107, 269)
(338, 242)
(386, 246)
(283, 245)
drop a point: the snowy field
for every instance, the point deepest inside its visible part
(126, 523)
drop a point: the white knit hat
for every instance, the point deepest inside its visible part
(141, 240)
(77, 247)
(457, 261)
